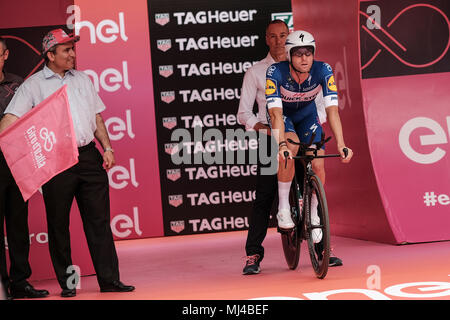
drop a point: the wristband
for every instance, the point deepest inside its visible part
(109, 149)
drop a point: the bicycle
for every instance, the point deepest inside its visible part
(300, 201)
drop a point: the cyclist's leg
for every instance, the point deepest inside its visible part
(286, 171)
(305, 128)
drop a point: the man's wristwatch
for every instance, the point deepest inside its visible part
(109, 149)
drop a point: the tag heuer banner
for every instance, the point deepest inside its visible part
(200, 52)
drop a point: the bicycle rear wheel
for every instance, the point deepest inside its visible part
(319, 252)
(291, 239)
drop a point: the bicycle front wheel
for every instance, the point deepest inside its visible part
(291, 239)
(318, 227)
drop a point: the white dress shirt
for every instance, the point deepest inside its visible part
(254, 88)
(83, 99)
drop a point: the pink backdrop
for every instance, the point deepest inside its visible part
(114, 50)
(122, 72)
(380, 195)
(355, 204)
(50, 13)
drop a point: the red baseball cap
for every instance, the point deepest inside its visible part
(55, 37)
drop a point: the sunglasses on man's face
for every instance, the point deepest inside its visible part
(299, 52)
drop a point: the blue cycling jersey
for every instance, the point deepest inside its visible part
(298, 100)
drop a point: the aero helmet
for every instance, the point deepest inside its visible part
(299, 39)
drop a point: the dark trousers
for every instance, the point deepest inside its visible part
(13, 211)
(87, 182)
(266, 192)
(266, 197)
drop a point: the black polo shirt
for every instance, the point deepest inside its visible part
(8, 87)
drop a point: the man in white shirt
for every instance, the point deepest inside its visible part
(253, 88)
(87, 181)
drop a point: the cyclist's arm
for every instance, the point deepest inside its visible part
(332, 110)
(336, 126)
(275, 109)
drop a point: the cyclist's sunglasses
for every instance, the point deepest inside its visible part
(300, 51)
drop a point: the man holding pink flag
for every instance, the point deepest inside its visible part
(86, 181)
(42, 144)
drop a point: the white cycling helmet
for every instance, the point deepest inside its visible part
(299, 38)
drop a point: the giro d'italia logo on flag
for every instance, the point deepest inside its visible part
(171, 148)
(164, 44)
(173, 174)
(176, 200)
(162, 18)
(165, 71)
(41, 144)
(169, 122)
(177, 226)
(168, 96)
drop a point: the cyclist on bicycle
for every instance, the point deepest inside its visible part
(291, 89)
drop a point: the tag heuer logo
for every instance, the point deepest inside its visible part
(171, 148)
(168, 96)
(162, 18)
(166, 71)
(173, 174)
(176, 200)
(170, 122)
(164, 44)
(177, 226)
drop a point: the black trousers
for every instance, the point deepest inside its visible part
(13, 211)
(266, 193)
(266, 198)
(87, 182)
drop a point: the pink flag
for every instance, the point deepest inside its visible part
(41, 144)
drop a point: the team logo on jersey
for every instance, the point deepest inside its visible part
(173, 174)
(331, 84)
(177, 226)
(176, 200)
(270, 70)
(162, 18)
(169, 122)
(271, 87)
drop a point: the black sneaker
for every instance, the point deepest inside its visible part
(252, 265)
(335, 262)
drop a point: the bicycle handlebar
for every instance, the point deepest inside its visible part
(306, 147)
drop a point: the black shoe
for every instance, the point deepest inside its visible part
(335, 262)
(252, 265)
(116, 286)
(27, 292)
(68, 293)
